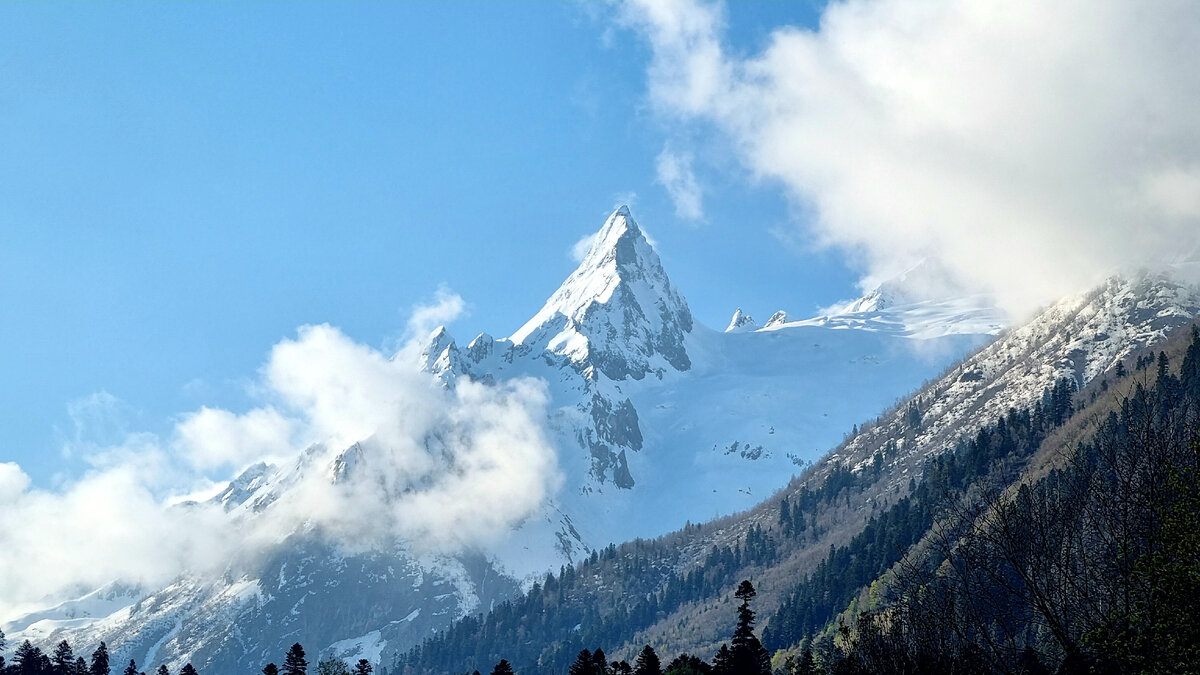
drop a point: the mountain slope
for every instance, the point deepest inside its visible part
(672, 591)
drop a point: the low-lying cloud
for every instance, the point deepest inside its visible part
(443, 470)
(1033, 147)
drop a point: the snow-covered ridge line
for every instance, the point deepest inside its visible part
(1077, 338)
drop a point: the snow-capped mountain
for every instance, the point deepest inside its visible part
(740, 322)
(1078, 338)
(657, 419)
(617, 314)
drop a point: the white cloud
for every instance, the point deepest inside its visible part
(440, 469)
(580, 248)
(674, 172)
(1033, 147)
(211, 437)
(97, 420)
(446, 307)
(13, 482)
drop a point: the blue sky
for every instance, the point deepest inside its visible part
(183, 185)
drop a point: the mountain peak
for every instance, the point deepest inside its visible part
(619, 241)
(617, 313)
(741, 322)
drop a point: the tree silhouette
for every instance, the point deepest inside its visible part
(647, 662)
(294, 663)
(100, 661)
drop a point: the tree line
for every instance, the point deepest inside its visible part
(742, 655)
(31, 660)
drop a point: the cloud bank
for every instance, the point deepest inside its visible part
(1033, 147)
(370, 449)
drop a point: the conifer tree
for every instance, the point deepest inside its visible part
(363, 667)
(81, 666)
(686, 664)
(582, 665)
(270, 669)
(807, 665)
(63, 658)
(294, 663)
(27, 658)
(502, 668)
(188, 670)
(162, 670)
(723, 662)
(747, 655)
(100, 661)
(647, 662)
(332, 667)
(131, 669)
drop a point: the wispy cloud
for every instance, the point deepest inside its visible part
(674, 172)
(580, 248)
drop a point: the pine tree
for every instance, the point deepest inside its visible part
(81, 666)
(686, 664)
(502, 668)
(599, 662)
(723, 662)
(100, 661)
(747, 655)
(294, 663)
(332, 667)
(27, 658)
(188, 670)
(131, 669)
(162, 670)
(270, 669)
(363, 667)
(63, 658)
(807, 665)
(582, 665)
(647, 662)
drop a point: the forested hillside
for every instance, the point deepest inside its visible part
(1088, 563)
(859, 548)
